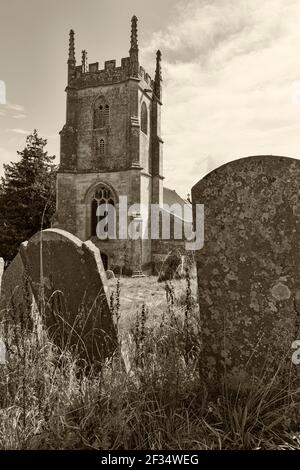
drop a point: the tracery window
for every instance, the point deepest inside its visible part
(102, 195)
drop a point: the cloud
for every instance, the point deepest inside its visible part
(2, 92)
(228, 69)
(15, 107)
(15, 111)
(209, 31)
(18, 131)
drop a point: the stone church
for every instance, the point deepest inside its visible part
(111, 146)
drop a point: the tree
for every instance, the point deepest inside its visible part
(27, 196)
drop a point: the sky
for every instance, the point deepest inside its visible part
(231, 73)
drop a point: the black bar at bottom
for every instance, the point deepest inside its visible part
(136, 459)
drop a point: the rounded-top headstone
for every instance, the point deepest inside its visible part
(249, 270)
(70, 287)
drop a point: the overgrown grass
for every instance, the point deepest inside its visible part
(49, 401)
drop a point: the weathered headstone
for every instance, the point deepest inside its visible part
(69, 285)
(110, 274)
(171, 267)
(16, 299)
(249, 269)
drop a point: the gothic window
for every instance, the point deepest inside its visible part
(144, 118)
(102, 195)
(101, 115)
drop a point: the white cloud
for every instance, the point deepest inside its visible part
(15, 111)
(15, 107)
(18, 131)
(229, 69)
(2, 92)
(19, 116)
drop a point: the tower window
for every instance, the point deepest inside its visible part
(102, 195)
(101, 115)
(144, 118)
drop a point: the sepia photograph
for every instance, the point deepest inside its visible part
(149, 231)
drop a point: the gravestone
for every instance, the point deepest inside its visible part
(249, 270)
(110, 274)
(172, 267)
(16, 299)
(70, 288)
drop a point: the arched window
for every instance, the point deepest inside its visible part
(102, 195)
(101, 114)
(144, 118)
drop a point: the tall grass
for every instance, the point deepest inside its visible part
(158, 401)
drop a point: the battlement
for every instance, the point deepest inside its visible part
(91, 75)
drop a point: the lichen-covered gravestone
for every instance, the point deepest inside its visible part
(249, 270)
(69, 285)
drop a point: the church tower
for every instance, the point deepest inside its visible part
(111, 147)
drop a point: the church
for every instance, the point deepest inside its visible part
(111, 146)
